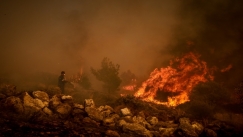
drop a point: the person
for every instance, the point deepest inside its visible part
(62, 81)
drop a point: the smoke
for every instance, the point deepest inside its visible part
(139, 35)
(51, 36)
(214, 30)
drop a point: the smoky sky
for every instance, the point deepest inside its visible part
(214, 29)
(72, 35)
(139, 35)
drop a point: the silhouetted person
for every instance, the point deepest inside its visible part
(62, 81)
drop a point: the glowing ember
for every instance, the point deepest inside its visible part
(175, 81)
(226, 69)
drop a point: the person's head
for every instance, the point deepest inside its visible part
(63, 73)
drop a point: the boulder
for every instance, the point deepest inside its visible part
(210, 133)
(110, 120)
(78, 106)
(54, 102)
(111, 133)
(47, 111)
(35, 104)
(94, 113)
(15, 104)
(140, 120)
(126, 112)
(136, 129)
(2, 96)
(167, 132)
(89, 103)
(8, 90)
(43, 96)
(152, 120)
(197, 127)
(67, 99)
(63, 110)
(186, 127)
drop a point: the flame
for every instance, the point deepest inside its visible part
(177, 80)
(227, 68)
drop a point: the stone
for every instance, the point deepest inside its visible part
(136, 129)
(35, 104)
(47, 111)
(8, 90)
(126, 112)
(186, 127)
(112, 133)
(94, 113)
(55, 101)
(79, 106)
(152, 120)
(63, 110)
(167, 132)
(43, 96)
(110, 120)
(2, 96)
(210, 133)
(15, 104)
(89, 103)
(197, 127)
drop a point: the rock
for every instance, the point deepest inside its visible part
(89, 103)
(167, 132)
(126, 112)
(54, 102)
(15, 104)
(2, 96)
(210, 133)
(152, 120)
(43, 96)
(47, 111)
(79, 106)
(89, 121)
(63, 110)
(8, 90)
(67, 99)
(136, 129)
(111, 133)
(186, 127)
(121, 122)
(140, 120)
(35, 104)
(94, 113)
(167, 124)
(197, 127)
(77, 111)
(110, 120)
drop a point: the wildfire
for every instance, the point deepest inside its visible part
(175, 81)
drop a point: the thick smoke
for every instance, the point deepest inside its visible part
(214, 30)
(139, 35)
(51, 36)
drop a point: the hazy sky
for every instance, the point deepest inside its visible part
(55, 35)
(68, 35)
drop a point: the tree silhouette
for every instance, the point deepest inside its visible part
(108, 74)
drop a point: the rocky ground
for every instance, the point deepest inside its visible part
(36, 113)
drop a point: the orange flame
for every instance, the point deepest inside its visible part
(227, 68)
(177, 82)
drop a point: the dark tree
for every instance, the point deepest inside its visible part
(108, 74)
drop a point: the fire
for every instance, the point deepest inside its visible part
(175, 81)
(226, 69)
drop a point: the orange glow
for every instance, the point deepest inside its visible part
(177, 80)
(227, 68)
